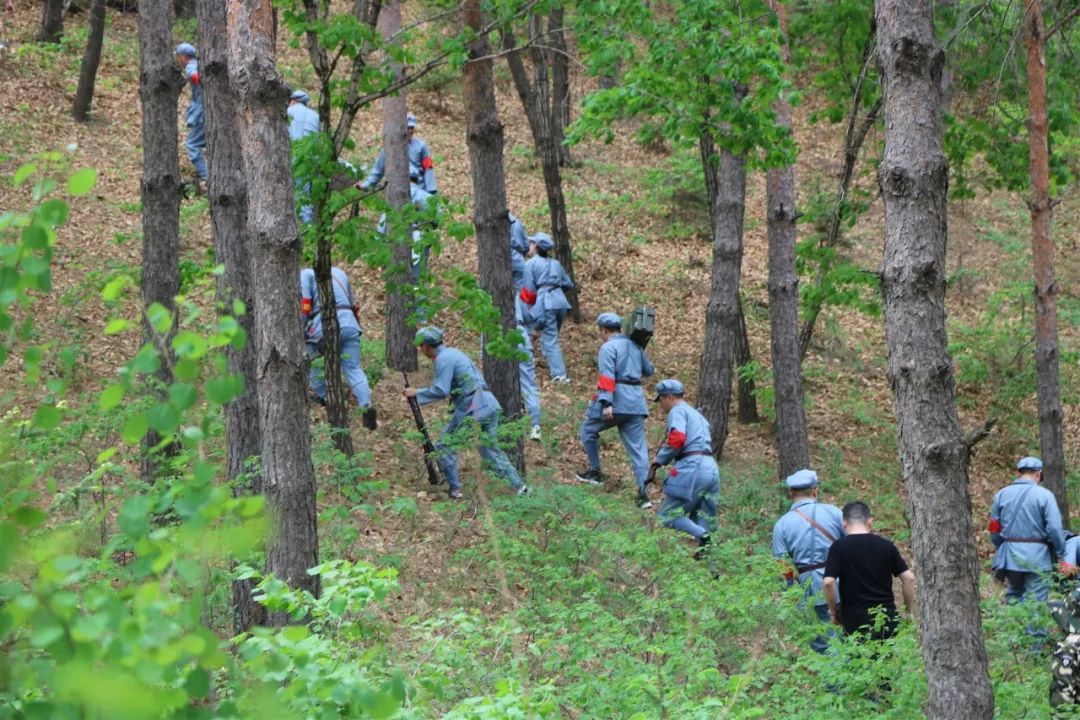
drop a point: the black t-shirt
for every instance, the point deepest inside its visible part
(865, 565)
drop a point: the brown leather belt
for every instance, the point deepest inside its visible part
(694, 452)
(809, 568)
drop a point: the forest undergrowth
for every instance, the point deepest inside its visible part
(568, 603)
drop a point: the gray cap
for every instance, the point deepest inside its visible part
(186, 49)
(410, 121)
(543, 241)
(429, 335)
(1029, 463)
(802, 480)
(300, 96)
(609, 320)
(671, 386)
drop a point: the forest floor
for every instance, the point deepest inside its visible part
(640, 234)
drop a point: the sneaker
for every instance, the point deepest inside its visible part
(535, 434)
(560, 380)
(590, 477)
(456, 494)
(523, 490)
(371, 421)
(643, 499)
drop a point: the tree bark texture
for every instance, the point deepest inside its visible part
(560, 83)
(934, 454)
(184, 9)
(160, 83)
(484, 133)
(1051, 438)
(783, 283)
(227, 194)
(535, 95)
(337, 397)
(400, 333)
(52, 21)
(84, 94)
(725, 181)
(287, 471)
(747, 396)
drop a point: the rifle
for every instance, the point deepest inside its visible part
(433, 475)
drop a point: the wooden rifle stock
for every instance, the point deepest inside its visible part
(433, 475)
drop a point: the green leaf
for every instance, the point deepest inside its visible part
(23, 173)
(182, 395)
(135, 428)
(197, 684)
(186, 370)
(47, 417)
(82, 181)
(35, 237)
(133, 518)
(160, 318)
(117, 326)
(147, 360)
(28, 516)
(114, 287)
(110, 397)
(54, 212)
(163, 418)
(221, 390)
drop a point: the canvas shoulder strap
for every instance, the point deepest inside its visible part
(814, 524)
(344, 289)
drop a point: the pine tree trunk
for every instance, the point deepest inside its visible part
(227, 194)
(400, 333)
(52, 21)
(184, 9)
(934, 454)
(160, 83)
(725, 181)
(84, 94)
(560, 84)
(484, 133)
(288, 475)
(538, 108)
(337, 398)
(748, 410)
(1052, 442)
(784, 299)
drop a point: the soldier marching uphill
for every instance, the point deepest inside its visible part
(1025, 525)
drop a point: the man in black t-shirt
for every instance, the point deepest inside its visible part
(865, 564)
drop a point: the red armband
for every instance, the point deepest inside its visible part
(528, 296)
(995, 525)
(673, 472)
(427, 163)
(194, 78)
(676, 439)
(789, 575)
(1066, 568)
(605, 383)
(306, 306)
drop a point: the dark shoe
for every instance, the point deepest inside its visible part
(321, 402)
(370, 418)
(590, 477)
(703, 544)
(643, 500)
(523, 490)
(456, 494)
